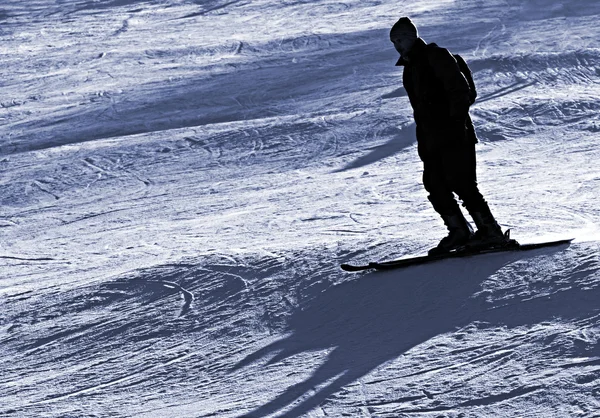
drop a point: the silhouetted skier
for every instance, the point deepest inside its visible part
(440, 96)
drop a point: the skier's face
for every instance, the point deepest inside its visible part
(402, 43)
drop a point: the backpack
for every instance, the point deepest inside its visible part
(466, 71)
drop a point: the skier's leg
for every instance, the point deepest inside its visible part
(444, 203)
(464, 183)
(460, 170)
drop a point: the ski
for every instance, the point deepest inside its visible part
(466, 252)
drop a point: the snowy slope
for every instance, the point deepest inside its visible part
(180, 180)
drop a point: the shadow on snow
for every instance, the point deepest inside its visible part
(405, 137)
(377, 318)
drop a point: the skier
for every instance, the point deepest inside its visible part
(440, 96)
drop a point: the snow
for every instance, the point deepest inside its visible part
(180, 181)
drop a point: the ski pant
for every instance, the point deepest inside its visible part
(450, 171)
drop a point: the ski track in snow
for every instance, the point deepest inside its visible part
(181, 180)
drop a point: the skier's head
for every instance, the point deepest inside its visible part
(404, 34)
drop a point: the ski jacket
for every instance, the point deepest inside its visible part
(440, 97)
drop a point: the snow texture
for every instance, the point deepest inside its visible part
(180, 180)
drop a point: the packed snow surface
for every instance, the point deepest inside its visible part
(180, 181)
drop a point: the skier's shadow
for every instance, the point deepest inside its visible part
(378, 317)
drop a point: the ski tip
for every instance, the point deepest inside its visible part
(350, 267)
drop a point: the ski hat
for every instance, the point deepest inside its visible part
(405, 28)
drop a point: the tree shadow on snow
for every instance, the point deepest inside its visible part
(377, 318)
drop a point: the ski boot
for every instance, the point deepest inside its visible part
(488, 234)
(460, 233)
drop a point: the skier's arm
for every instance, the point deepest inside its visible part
(457, 88)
